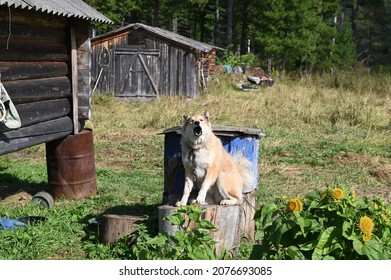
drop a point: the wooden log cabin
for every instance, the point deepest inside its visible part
(141, 61)
(45, 58)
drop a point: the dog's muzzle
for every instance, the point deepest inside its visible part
(197, 130)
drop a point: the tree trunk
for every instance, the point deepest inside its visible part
(216, 24)
(229, 24)
(156, 13)
(245, 17)
(234, 222)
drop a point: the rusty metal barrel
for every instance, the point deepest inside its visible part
(71, 166)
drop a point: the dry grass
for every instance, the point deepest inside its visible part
(310, 125)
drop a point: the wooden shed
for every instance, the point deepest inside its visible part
(140, 61)
(45, 58)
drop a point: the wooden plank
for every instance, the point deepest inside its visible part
(84, 69)
(134, 51)
(32, 51)
(25, 91)
(32, 17)
(75, 87)
(123, 76)
(12, 71)
(151, 79)
(164, 70)
(85, 102)
(192, 76)
(84, 81)
(26, 31)
(181, 76)
(37, 112)
(85, 112)
(173, 70)
(26, 137)
(189, 78)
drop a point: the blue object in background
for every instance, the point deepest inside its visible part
(6, 223)
(228, 69)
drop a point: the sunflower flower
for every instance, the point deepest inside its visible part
(294, 204)
(338, 193)
(366, 237)
(366, 225)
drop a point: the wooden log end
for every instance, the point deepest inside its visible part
(117, 226)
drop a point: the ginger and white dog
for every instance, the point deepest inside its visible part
(219, 177)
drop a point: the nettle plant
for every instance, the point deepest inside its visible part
(192, 240)
(330, 224)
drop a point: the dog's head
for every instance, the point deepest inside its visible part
(197, 127)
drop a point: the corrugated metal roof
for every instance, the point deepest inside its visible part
(65, 8)
(163, 33)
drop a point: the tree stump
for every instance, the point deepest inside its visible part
(234, 222)
(117, 226)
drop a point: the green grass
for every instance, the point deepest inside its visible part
(319, 131)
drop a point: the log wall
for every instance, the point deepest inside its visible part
(35, 68)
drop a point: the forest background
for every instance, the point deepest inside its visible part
(300, 35)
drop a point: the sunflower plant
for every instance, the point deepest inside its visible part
(325, 224)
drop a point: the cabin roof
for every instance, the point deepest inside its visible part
(161, 33)
(74, 8)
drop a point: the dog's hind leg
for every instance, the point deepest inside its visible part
(230, 198)
(230, 188)
(231, 201)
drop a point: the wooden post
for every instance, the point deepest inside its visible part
(74, 81)
(234, 222)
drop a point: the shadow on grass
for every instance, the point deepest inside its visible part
(11, 185)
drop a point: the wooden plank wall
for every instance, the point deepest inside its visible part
(175, 70)
(84, 68)
(35, 70)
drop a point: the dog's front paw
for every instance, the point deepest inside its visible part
(200, 202)
(180, 203)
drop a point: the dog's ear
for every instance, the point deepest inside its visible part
(185, 118)
(206, 115)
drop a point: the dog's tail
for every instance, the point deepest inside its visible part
(244, 167)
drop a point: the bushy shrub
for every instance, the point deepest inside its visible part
(229, 58)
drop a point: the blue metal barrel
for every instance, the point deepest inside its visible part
(236, 140)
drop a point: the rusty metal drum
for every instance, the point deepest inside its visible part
(71, 166)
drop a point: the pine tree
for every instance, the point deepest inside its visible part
(344, 55)
(291, 32)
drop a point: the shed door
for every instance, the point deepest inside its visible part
(136, 72)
